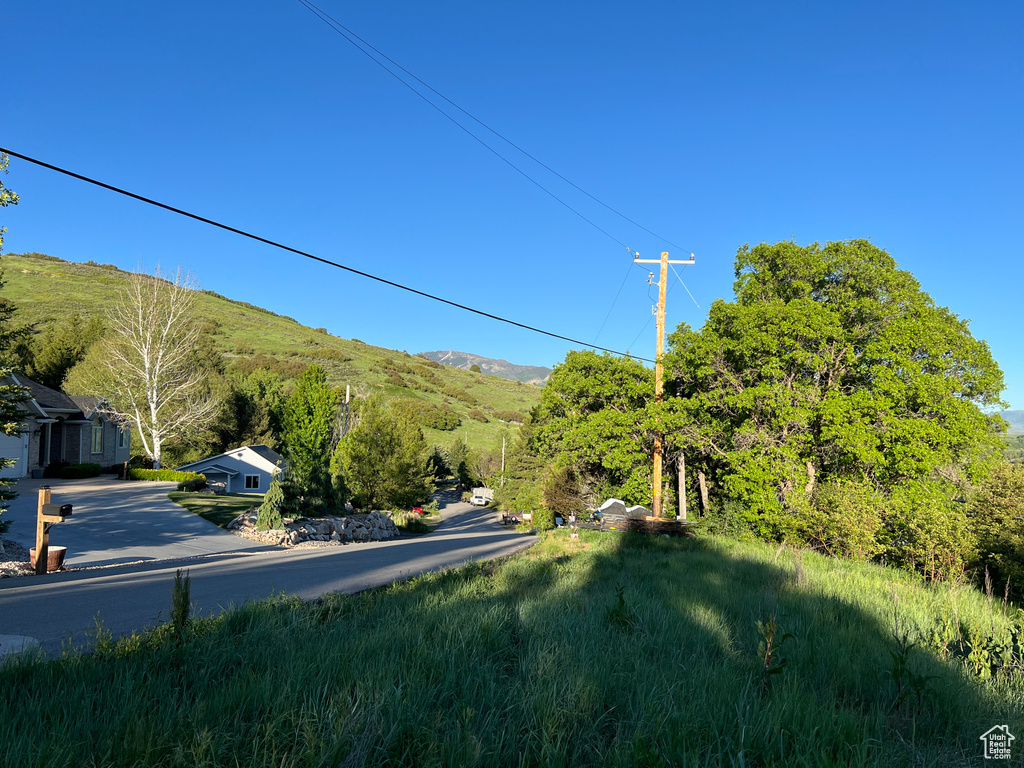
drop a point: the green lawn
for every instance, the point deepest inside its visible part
(616, 650)
(219, 510)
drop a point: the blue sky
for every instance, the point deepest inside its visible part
(711, 124)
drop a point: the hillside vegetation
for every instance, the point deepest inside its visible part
(615, 650)
(45, 288)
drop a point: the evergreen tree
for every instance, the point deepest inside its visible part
(310, 415)
(269, 516)
(11, 395)
(61, 346)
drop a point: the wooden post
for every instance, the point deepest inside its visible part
(702, 482)
(42, 532)
(681, 466)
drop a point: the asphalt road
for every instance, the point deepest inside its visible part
(60, 607)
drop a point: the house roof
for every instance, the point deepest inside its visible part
(47, 402)
(48, 399)
(216, 468)
(267, 453)
(263, 452)
(87, 404)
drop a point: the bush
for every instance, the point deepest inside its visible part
(513, 417)
(479, 415)
(269, 516)
(410, 523)
(543, 518)
(77, 471)
(54, 468)
(192, 485)
(164, 475)
(440, 417)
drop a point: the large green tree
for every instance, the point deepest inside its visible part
(593, 415)
(310, 418)
(831, 367)
(383, 460)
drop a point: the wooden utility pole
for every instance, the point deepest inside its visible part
(658, 385)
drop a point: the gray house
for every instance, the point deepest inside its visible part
(59, 427)
(248, 469)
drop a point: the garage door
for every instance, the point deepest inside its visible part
(14, 447)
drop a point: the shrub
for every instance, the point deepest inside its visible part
(479, 415)
(513, 417)
(172, 475)
(269, 516)
(77, 471)
(441, 417)
(544, 518)
(192, 485)
(410, 523)
(54, 468)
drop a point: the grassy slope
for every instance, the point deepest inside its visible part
(535, 661)
(44, 287)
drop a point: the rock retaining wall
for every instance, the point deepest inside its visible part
(375, 526)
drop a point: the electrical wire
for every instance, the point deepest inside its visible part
(622, 285)
(680, 279)
(468, 132)
(348, 34)
(298, 252)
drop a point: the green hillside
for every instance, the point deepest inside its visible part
(44, 287)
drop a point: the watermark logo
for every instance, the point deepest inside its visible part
(997, 742)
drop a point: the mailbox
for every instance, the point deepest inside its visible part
(56, 510)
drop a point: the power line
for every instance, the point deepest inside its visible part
(351, 37)
(629, 270)
(298, 252)
(468, 132)
(348, 34)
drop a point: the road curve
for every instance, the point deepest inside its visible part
(60, 607)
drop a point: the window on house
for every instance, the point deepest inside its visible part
(97, 436)
(122, 437)
(252, 482)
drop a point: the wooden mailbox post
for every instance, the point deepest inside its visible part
(47, 515)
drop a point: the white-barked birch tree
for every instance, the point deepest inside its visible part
(146, 365)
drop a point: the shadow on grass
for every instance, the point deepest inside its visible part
(614, 650)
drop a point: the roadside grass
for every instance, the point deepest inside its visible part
(616, 650)
(218, 509)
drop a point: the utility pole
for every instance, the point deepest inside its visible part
(348, 392)
(502, 461)
(658, 385)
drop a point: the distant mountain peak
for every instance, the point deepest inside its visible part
(530, 374)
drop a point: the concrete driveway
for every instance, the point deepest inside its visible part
(116, 522)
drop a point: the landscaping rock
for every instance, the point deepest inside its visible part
(329, 531)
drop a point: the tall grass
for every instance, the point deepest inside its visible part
(613, 650)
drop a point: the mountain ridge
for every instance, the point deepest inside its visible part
(1016, 421)
(528, 374)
